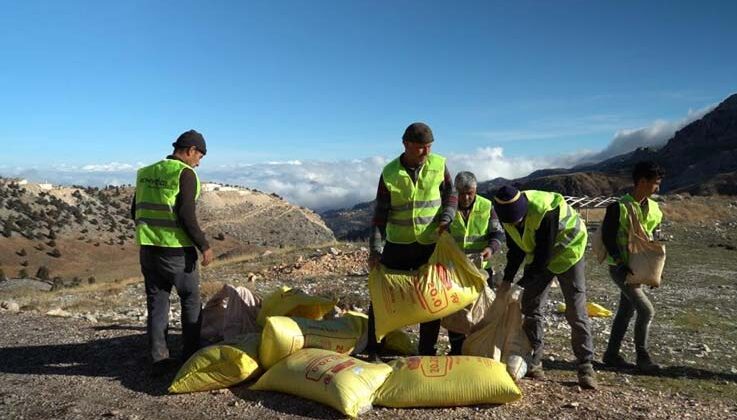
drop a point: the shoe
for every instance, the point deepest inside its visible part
(535, 372)
(587, 376)
(616, 361)
(646, 365)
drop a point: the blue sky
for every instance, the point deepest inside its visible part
(107, 86)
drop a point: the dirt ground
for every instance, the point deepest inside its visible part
(91, 364)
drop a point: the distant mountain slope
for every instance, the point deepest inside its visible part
(77, 231)
(350, 224)
(698, 159)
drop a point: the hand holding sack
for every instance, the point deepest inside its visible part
(446, 284)
(646, 257)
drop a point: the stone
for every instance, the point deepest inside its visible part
(59, 313)
(10, 306)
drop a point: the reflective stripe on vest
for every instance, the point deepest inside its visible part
(570, 243)
(649, 221)
(414, 206)
(473, 235)
(157, 187)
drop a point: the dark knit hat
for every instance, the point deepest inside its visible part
(418, 133)
(191, 138)
(510, 204)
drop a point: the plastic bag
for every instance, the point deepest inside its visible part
(472, 317)
(502, 338)
(446, 284)
(283, 336)
(593, 310)
(337, 380)
(231, 312)
(286, 301)
(219, 366)
(446, 381)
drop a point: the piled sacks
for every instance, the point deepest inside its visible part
(294, 350)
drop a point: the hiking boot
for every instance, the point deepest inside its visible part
(646, 365)
(616, 361)
(587, 376)
(535, 372)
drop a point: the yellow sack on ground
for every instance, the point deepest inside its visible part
(593, 309)
(219, 366)
(397, 341)
(446, 381)
(400, 342)
(340, 381)
(283, 336)
(446, 284)
(286, 301)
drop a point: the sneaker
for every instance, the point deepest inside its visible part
(645, 365)
(535, 372)
(587, 376)
(616, 361)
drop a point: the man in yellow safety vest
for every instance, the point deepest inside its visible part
(168, 234)
(646, 176)
(477, 232)
(547, 235)
(415, 202)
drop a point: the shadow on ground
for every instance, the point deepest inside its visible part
(122, 358)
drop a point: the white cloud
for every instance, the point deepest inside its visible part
(653, 135)
(323, 185)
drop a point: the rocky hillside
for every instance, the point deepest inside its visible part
(701, 158)
(351, 224)
(79, 234)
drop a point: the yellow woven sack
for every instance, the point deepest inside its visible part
(446, 284)
(283, 336)
(400, 342)
(286, 301)
(219, 366)
(446, 381)
(397, 341)
(593, 310)
(337, 380)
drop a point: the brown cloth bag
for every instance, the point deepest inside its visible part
(646, 257)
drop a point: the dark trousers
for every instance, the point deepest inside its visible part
(535, 295)
(160, 272)
(631, 299)
(406, 257)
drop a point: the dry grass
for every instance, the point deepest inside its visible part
(699, 209)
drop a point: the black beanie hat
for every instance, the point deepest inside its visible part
(418, 132)
(510, 204)
(191, 138)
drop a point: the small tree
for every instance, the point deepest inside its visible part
(43, 273)
(22, 273)
(91, 280)
(22, 252)
(24, 263)
(55, 253)
(3, 277)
